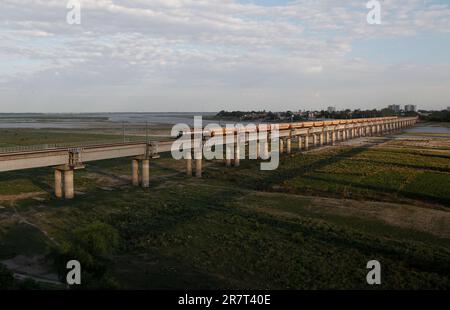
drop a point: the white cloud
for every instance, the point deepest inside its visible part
(183, 49)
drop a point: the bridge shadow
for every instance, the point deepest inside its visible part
(276, 177)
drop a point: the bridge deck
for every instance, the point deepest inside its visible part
(61, 156)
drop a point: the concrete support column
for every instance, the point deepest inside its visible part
(135, 172)
(265, 147)
(228, 155)
(288, 145)
(58, 183)
(281, 146)
(198, 155)
(333, 137)
(145, 173)
(237, 152)
(198, 168)
(314, 139)
(300, 140)
(307, 142)
(321, 138)
(68, 184)
(189, 163)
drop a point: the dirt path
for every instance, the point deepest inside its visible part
(21, 196)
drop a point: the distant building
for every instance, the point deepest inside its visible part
(311, 114)
(331, 109)
(410, 108)
(394, 107)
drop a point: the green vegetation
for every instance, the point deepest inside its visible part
(93, 246)
(438, 116)
(21, 137)
(244, 228)
(358, 173)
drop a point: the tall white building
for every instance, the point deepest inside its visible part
(331, 109)
(410, 108)
(394, 107)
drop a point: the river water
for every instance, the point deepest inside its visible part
(76, 121)
(429, 129)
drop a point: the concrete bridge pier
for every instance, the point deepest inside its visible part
(288, 145)
(300, 141)
(198, 168)
(145, 173)
(198, 155)
(228, 155)
(281, 145)
(64, 185)
(135, 172)
(189, 163)
(321, 138)
(237, 153)
(140, 176)
(58, 183)
(333, 137)
(69, 192)
(265, 146)
(314, 140)
(306, 142)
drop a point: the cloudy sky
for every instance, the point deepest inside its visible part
(209, 55)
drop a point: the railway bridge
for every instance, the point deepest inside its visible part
(305, 135)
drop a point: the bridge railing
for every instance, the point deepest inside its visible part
(58, 146)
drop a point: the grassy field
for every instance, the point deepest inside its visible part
(312, 224)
